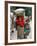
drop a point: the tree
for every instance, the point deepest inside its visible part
(28, 11)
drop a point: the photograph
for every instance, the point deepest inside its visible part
(20, 22)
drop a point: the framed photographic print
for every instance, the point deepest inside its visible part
(20, 23)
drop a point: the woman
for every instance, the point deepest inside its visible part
(20, 22)
(20, 26)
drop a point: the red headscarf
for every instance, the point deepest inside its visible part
(20, 23)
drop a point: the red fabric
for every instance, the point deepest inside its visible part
(20, 23)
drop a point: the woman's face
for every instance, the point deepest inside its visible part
(20, 18)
